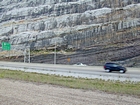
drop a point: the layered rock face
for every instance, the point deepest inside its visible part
(110, 27)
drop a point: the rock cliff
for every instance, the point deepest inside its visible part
(109, 29)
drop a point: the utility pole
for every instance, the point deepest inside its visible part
(55, 53)
(27, 55)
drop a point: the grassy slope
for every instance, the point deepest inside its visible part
(115, 87)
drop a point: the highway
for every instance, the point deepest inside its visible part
(91, 72)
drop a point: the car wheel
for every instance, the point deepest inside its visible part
(107, 70)
(122, 71)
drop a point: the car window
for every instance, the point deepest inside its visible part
(115, 65)
(112, 64)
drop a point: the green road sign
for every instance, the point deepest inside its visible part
(6, 46)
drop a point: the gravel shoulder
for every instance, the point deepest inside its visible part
(13, 92)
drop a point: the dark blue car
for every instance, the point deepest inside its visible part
(109, 67)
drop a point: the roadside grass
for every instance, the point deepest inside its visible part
(110, 86)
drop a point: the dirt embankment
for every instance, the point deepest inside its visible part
(26, 93)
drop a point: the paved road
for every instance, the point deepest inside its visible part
(133, 74)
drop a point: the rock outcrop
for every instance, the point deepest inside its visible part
(76, 24)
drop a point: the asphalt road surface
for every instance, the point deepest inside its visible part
(132, 74)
